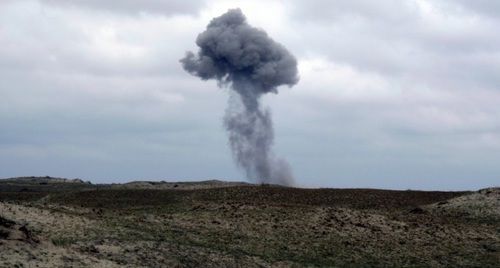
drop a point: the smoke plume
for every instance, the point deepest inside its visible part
(249, 62)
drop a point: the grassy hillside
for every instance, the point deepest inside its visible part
(244, 225)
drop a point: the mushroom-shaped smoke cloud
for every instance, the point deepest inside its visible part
(252, 64)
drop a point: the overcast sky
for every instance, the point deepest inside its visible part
(393, 93)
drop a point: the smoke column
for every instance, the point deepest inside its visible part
(249, 62)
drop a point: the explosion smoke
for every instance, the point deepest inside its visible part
(252, 64)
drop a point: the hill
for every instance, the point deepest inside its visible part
(214, 223)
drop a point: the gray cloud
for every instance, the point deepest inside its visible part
(480, 7)
(133, 7)
(372, 36)
(382, 11)
(392, 94)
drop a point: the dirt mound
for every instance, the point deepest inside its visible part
(483, 205)
(35, 237)
(10, 230)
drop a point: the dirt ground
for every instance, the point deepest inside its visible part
(76, 224)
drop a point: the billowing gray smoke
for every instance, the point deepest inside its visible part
(252, 64)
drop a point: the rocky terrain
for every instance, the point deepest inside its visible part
(46, 222)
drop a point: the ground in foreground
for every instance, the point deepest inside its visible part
(57, 223)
